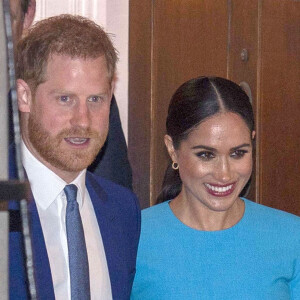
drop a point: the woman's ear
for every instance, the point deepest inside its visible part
(24, 96)
(253, 135)
(170, 147)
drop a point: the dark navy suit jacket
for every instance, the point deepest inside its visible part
(112, 161)
(118, 217)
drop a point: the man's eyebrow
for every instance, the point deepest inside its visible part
(72, 93)
(61, 92)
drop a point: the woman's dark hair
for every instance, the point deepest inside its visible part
(193, 102)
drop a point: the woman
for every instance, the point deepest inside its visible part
(204, 241)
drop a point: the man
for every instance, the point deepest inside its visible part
(66, 76)
(112, 162)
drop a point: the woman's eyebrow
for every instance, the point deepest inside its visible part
(204, 147)
(240, 146)
(213, 149)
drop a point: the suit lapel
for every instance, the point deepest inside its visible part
(105, 217)
(43, 277)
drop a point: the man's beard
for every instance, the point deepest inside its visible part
(51, 148)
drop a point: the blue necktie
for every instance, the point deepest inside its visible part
(78, 260)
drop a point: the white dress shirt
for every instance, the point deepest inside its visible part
(47, 189)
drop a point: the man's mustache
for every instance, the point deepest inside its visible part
(78, 132)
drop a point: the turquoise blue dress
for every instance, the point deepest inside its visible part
(258, 258)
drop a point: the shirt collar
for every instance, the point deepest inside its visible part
(45, 184)
(79, 181)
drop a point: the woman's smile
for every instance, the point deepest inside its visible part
(220, 190)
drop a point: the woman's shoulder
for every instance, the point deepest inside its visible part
(156, 211)
(157, 217)
(272, 216)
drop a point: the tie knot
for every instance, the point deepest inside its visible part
(71, 192)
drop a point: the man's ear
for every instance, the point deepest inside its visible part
(29, 16)
(24, 96)
(170, 147)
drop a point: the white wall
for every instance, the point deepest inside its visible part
(113, 16)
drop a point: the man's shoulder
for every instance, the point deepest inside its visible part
(112, 190)
(116, 201)
(106, 184)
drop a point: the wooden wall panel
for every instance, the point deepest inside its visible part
(139, 108)
(280, 104)
(172, 41)
(189, 40)
(243, 57)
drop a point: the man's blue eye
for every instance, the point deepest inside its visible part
(64, 98)
(94, 99)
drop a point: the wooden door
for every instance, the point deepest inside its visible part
(170, 42)
(279, 104)
(251, 42)
(243, 60)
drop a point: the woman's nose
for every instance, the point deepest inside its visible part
(223, 171)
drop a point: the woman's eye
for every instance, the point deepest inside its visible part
(205, 155)
(238, 153)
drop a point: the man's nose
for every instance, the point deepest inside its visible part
(81, 115)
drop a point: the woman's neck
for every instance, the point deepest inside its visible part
(198, 216)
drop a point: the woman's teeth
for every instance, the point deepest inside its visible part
(218, 188)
